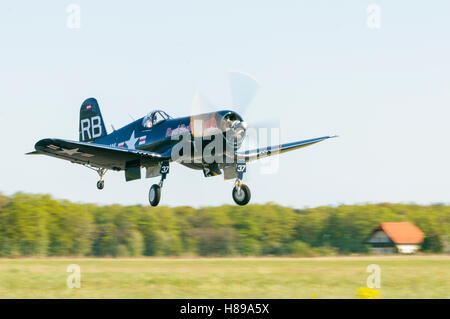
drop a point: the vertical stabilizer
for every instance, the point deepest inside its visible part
(91, 126)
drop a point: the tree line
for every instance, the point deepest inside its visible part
(38, 225)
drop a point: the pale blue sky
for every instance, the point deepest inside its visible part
(321, 69)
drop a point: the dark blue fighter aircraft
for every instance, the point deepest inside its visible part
(157, 139)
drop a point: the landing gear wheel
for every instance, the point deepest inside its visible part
(241, 196)
(154, 195)
(100, 185)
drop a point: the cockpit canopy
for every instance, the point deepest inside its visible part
(153, 118)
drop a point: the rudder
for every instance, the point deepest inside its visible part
(91, 126)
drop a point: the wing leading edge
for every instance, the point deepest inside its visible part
(258, 153)
(96, 155)
(111, 157)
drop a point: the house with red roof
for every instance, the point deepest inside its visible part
(389, 238)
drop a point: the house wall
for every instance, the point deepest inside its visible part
(379, 237)
(407, 249)
(384, 250)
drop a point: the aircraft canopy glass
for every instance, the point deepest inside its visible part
(153, 118)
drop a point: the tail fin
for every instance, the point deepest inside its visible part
(91, 121)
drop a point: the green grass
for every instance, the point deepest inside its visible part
(339, 277)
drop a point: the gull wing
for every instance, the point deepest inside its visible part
(96, 155)
(258, 153)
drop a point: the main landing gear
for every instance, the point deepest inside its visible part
(241, 193)
(100, 185)
(101, 172)
(154, 194)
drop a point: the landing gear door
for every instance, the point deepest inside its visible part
(211, 169)
(152, 171)
(132, 170)
(229, 172)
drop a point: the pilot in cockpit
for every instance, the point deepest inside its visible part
(154, 118)
(148, 123)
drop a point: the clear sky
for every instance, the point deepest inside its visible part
(322, 70)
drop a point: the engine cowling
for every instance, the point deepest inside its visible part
(233, 128)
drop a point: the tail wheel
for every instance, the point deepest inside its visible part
(242, 195)
(100, 184)
(154, 195)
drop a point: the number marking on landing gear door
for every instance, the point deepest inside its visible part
(241, 168)
(164, 169)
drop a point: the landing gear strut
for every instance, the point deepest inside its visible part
(241, 192)
(154, 194)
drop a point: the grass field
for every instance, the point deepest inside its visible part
(334, 277)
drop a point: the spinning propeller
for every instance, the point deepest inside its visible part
(243, 89)
(246, 131)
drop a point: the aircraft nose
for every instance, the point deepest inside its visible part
(239, 130)
(240, 125)
(233, 128)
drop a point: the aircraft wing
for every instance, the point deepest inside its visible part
(258, 153)
(96, 155)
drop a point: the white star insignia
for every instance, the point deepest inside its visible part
(70, 152)
(131, 142)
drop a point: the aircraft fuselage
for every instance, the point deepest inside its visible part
(164, 135)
